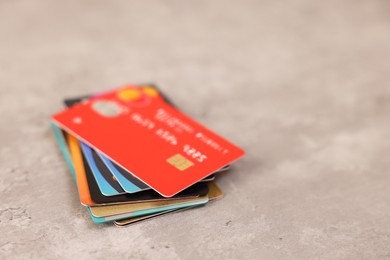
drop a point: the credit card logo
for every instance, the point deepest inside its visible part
(107, 108)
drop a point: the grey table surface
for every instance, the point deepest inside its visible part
(303, 86)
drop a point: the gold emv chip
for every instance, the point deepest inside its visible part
(180, 162)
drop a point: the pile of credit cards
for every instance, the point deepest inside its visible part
(135, 156)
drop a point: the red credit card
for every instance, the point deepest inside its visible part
(139, 131)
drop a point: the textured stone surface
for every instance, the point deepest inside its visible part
(302, 85)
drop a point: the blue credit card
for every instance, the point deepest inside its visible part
(107, 183)
(128, 182)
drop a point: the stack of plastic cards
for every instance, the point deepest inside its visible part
(135, 156)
